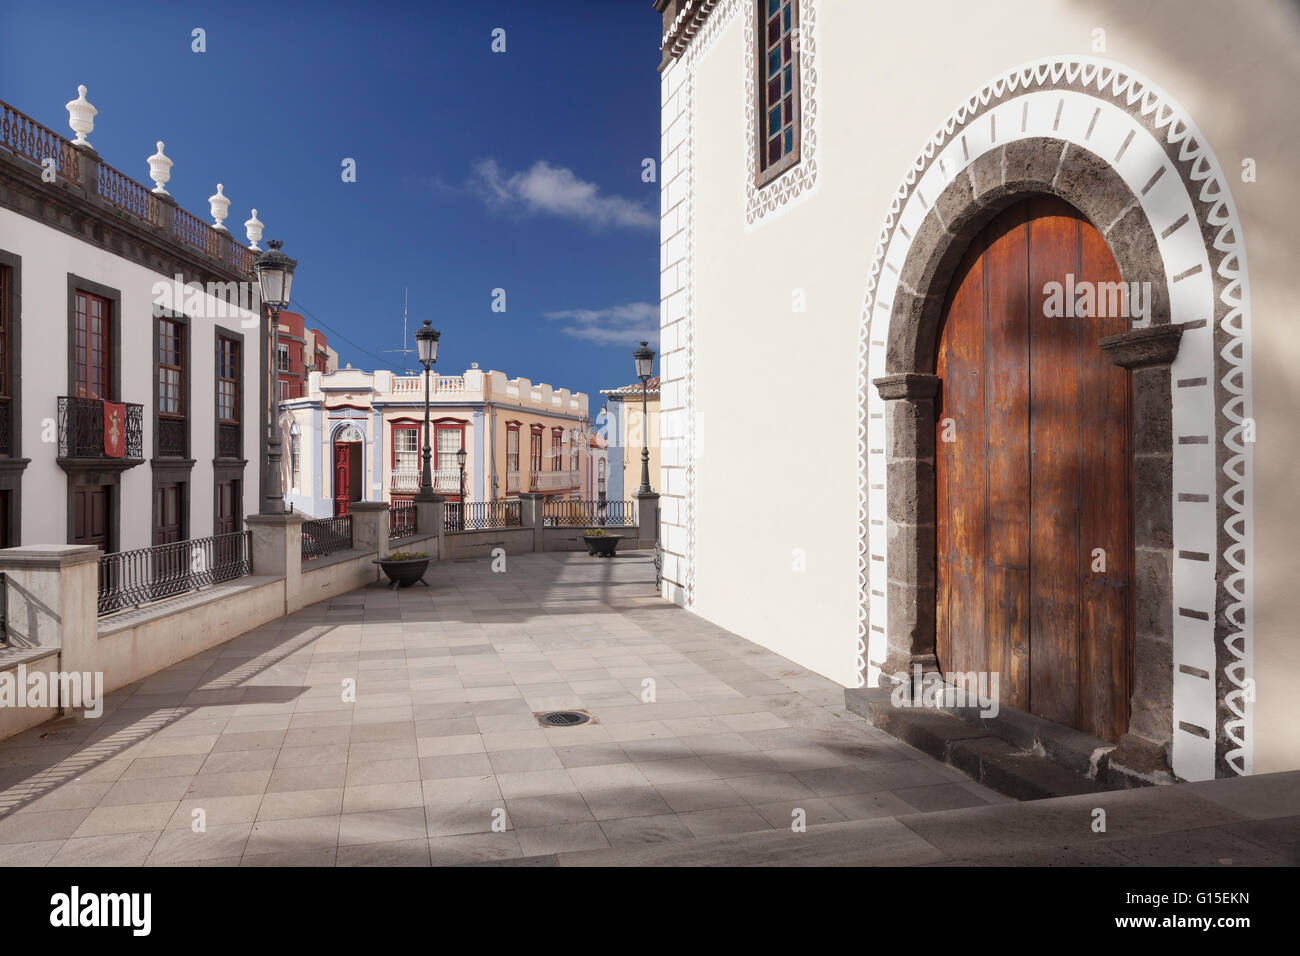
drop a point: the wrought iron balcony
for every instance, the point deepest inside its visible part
(171, 438)
(229, 444)
(82, 427)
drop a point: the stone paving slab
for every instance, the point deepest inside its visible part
(435, 757)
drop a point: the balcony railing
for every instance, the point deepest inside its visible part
(23, 136)
(228, 441)
(477, 515)
(129, 579)
(401, 519)
(590, 514)
(171, 437)
(438, 384)
(445, 482)
(551, 481)
(512, 483)
(81, 429)
(322, 536)
(125, 193)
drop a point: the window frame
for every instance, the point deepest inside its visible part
(179, 353)
(557, 448)
(766, 171)
(393, 429)
(234, 346)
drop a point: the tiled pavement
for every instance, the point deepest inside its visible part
(441, 743)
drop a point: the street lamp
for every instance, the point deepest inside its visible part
(460, 458)
(426, 344)
(645, 362)
(275, 277)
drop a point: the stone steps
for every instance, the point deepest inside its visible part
(977, 749)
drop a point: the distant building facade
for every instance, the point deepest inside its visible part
(624, 429)
(359, 436)
(300, 351)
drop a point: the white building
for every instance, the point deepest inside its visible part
(129, 352)
(825, 167)
(359, 436)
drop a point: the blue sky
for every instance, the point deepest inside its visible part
(475, 170)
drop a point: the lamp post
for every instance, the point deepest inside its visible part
(426, 343)
(275, 277)
(460, 458)
(645, 361)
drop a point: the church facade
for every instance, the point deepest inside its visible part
(1007, 254)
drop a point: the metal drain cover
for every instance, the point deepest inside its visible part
(563, 718)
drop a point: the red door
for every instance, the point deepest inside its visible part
(342, 477)
(1034, 531)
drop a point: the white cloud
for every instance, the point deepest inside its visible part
(544, 188)
(618, 325)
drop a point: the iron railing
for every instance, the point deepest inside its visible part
(81, 428)
(129, 579)
(321, 536)
(171, 437)
(23, 136)
(401, 519)
(478, 515)
(228, 441)
(592, 514)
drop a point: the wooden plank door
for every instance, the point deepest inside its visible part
(342, 477)
(1034, 527)
(91, 515)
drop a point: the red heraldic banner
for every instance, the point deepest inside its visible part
(114, 430)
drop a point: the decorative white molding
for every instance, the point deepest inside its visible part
(81, 117)
(160, 171)
(219, 206)
(707, 22)
(1122, 117)
(253, 230)
(800, 179)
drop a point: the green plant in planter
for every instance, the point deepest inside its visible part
(406, 556)
(595, 532)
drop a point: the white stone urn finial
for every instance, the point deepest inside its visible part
(253, 229)
(219, 205)
(160, 171)
(81, 117)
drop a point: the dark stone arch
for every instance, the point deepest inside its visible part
(994, 181)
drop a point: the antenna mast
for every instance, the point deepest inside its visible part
(404, 350)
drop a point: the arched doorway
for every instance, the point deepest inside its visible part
(348, 445)
(1032, 470)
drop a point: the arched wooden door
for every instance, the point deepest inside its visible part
(1034, 524)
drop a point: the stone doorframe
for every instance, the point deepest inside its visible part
(998, 179)
(1116, 148)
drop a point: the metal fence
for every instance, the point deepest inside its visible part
(128, 579)
(589, 514)
(321, 536)
(477, 515)
(81, 425)
(401, 519)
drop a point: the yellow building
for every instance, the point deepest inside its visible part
(624, 428)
